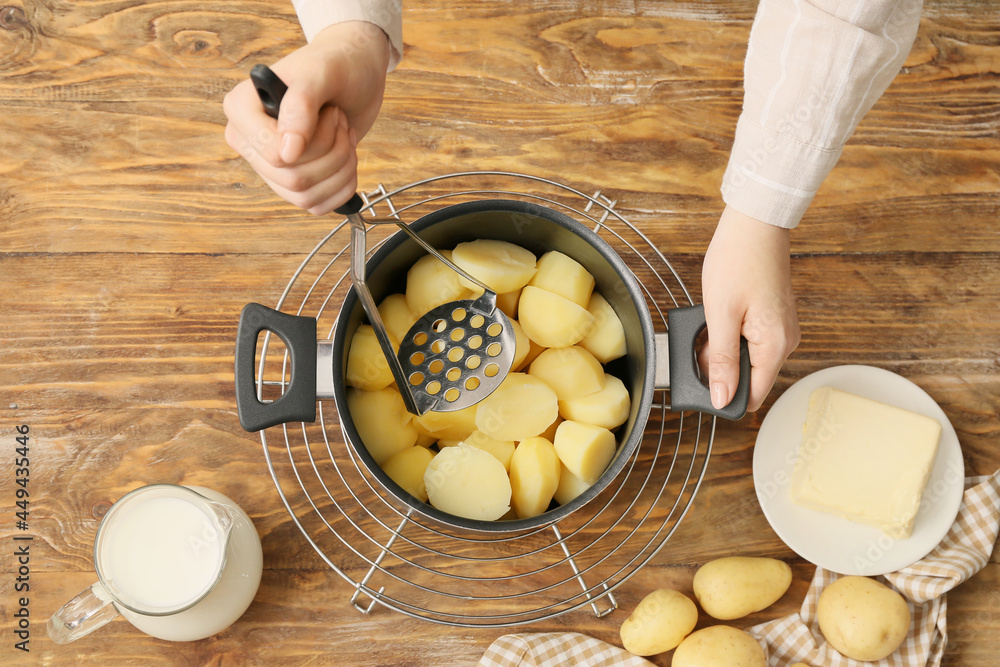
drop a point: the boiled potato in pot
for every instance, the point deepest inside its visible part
(585, 449)
(608, 407)
(570, 371)
(659, 622)
(521, 407)
(552, 320)
(565, 276)
(468, 482)
(430, 283)
(733, 587)
(606, 339)
(500, 265)
(407, 468)
(367, 367)
(534, 476)
(385, 426)
(863, 618)
(719, 646)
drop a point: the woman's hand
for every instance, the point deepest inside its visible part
(746, 289)
(335, 86)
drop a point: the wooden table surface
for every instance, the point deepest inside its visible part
(131, 236)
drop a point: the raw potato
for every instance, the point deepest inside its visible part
(609, 407)
(454, 425)
(659, 622)
(570, 371)
(367, 367)
(570, 486)
(468, 482)
(503, 450)
(397, 317)
(534, 477)
(565, 276)
(551, 320)
(862, 618)
(383, 423)
(730, 588)
(606, 340)
(521, 407)
(503, 266)
(407, 469)
(719, 645)
(430, 283)
(585, 449)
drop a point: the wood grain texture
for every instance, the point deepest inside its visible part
(131, 236)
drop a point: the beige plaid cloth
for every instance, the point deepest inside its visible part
(796, 638)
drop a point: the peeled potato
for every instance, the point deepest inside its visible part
(534, 476)
(550, 433)
(585, 449)
(407, 468)
(552, 320)
(570, 486)
(507, 303)
(397, 317)
(503, 450)
(367, 367)
(565, 276)
(609, 407)
(719, 645)
(730, 588)
(606, 339)
(521, 345)
(659, 623)
(430, 283)
(468, 482)
(383, 423)
(570, 371)
(501, 265)
(454, 425)
(521, 407)
(534, 349)
(862, 618)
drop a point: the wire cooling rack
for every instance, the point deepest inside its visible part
(394, 557)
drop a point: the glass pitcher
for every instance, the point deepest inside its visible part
(180, 563)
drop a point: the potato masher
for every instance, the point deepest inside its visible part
(453, 356)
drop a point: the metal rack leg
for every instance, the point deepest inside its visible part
(600, 613)
(358, 588)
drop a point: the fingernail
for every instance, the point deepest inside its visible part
(719, 394)
(291, 147)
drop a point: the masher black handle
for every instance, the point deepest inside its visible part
(271, 90)
(687, 391)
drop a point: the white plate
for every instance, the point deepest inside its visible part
(837, 544)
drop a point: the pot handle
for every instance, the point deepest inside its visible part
(687, 390)
(298, 402)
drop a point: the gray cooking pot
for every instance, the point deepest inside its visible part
(318, 369)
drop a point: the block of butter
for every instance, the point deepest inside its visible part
(864, 460)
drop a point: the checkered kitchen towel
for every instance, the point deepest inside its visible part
(963, 552)
(796, 638)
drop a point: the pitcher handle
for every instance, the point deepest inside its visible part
(88, 611)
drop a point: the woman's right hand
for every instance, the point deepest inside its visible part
(335, 85)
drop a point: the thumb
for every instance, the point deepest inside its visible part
(297, 120)
(723, 355)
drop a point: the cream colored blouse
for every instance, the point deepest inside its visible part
(813, 68)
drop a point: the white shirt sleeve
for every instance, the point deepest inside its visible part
(314, 15)
(813, 69)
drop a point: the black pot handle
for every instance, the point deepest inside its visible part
(298, 402)
(687, 391)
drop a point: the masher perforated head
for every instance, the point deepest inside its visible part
(457, 354)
